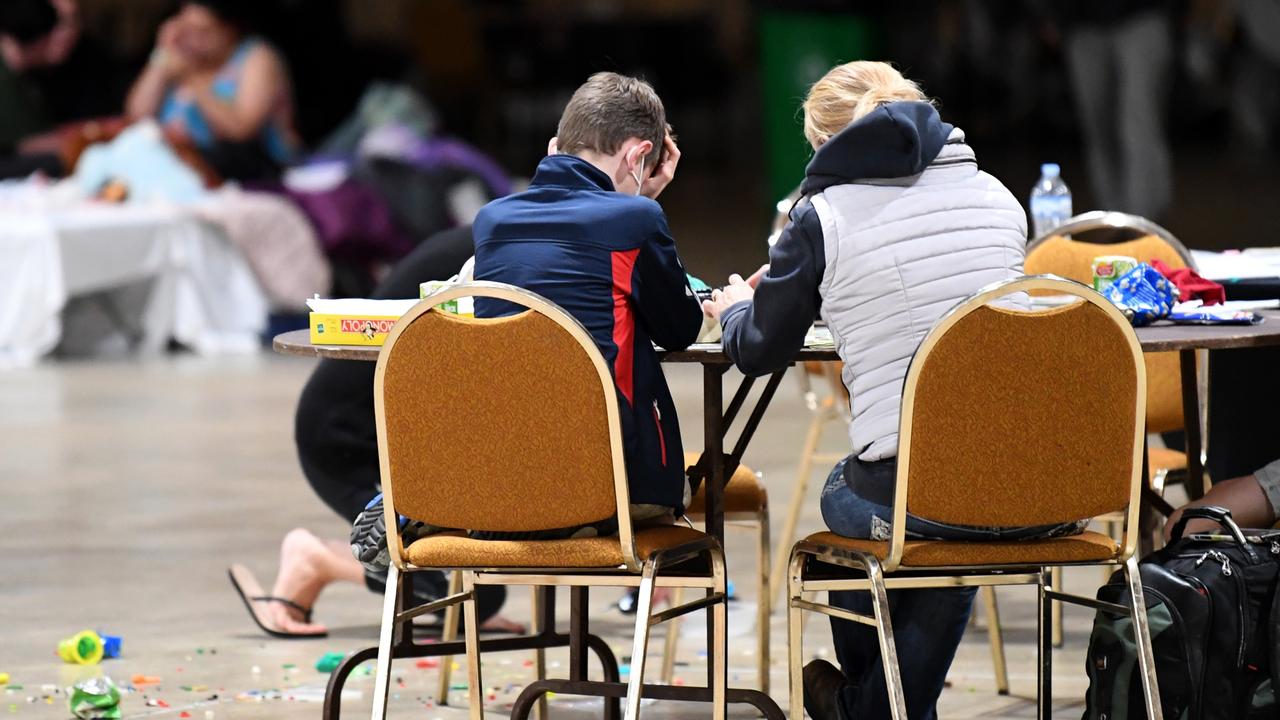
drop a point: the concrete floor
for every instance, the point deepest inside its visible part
(129, 486)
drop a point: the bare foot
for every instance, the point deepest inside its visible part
(307, 565)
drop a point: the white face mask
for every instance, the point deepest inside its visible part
(638, 175)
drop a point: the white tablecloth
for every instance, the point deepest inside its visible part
(164, 272)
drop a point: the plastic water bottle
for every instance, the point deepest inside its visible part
(1050, 200)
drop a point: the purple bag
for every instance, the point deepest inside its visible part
(353, 222)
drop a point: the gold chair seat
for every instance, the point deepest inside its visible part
(455, 550)
(1085, 547)
(743, 494)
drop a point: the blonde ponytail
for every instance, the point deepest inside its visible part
(849, 92)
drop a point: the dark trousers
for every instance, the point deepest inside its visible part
(334, 427)
(928, 624)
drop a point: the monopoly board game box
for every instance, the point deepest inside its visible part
(354, 321)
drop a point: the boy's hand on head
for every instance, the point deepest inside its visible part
(664, 173)
(735, 292)
(757, 276)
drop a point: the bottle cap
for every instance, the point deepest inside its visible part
(1050, 170)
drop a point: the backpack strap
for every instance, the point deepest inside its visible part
(1220, 515)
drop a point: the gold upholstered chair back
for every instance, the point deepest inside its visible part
(1066, 253)
(1015, 418)
(505, 424)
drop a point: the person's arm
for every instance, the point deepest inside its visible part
(665, 302)
(764, 334)
(148, 90)
(166, 65)
(261, 88)
(1251, 499)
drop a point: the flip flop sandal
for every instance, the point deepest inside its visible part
(250, 592)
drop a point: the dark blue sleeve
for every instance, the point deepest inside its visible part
(667, 306)
(765, 334)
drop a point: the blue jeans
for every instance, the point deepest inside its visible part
(927, 624)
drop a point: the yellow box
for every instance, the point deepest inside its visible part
(350, 329)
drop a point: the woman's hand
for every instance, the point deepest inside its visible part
(168, 57)
(735, 292)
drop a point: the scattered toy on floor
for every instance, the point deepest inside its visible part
(83, 648)
(330, 662)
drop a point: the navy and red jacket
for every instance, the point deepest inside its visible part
(609, 260)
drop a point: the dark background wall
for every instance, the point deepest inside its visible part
(732, 74)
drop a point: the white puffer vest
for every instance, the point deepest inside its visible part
(899, 254)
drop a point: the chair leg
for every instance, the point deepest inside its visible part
(639, 648)
(540, 655)
(471, 617)
(795, 636)
(382, 680)
(764, 602)
(672, 640)
(785, 540)
(1142, 638)
(884, 629)
(995, 635)
(718, 652)
(1055, 607)
(449, 633)
(1044, 669)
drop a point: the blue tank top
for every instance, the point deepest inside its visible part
(180, 110)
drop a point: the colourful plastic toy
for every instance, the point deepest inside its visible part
(83, 648)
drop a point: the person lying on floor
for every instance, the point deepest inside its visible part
(337, 445)
(588, 236)
(895, 226)
(1252, 500)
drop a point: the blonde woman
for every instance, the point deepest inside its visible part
(895, 225)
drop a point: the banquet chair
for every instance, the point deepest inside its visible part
(995, 431)
(511, 425)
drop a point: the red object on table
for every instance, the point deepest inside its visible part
(1191, 285)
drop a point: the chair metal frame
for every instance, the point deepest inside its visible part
(830, 408)
(1113, 220)
(646, 574)
(881, 576)
(1110, 219)
(764, 605)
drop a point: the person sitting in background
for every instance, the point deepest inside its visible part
(589, 236)
(337, 444)
(1252, 500)
(213, 84)
(895, 226)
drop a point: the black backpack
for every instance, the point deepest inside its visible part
(1212, 609)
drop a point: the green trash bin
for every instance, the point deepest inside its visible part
(796, 49)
